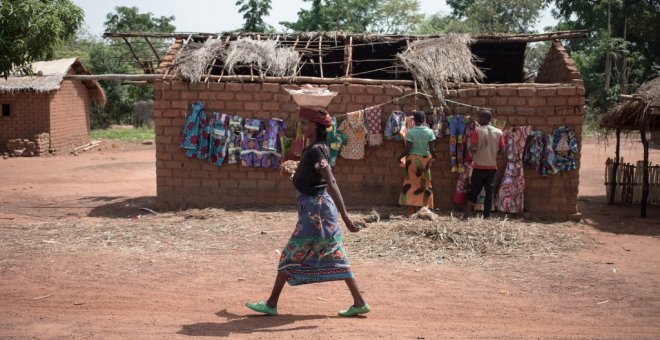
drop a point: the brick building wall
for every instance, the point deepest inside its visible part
(69, 116)
(558, 67)
(28, 116)
(375, 180)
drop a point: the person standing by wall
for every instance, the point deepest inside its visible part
(416, 191)
(485, 143)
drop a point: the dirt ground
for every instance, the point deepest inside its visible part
(80, 259)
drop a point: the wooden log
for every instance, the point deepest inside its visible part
(645, 173)
(348, 53)
(615, 166)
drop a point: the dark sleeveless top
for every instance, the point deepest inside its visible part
(307, 178)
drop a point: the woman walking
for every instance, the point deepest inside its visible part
(419, 153)
(315, 251)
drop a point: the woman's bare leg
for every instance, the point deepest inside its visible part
(358, 301)
(280, 280)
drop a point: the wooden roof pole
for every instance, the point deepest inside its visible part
(321, 55)
(130, 47)
(153, 49)
(348, 57)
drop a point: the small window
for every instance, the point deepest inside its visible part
(6, 110)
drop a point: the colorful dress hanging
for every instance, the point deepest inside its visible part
(539, 154)
(235, 139)
(251, 150)
(356, 135)
(272, 147)
(510, 197)
(335, 141)
(457, 125)
(298, 144)
(564, 145)
(463, 184)
(375, 125)
(395, 123)
(218, 140)
(196, 133)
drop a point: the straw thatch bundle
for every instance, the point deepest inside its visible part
(195, 58)
(640, 112)
(434, 63)
(267, 57)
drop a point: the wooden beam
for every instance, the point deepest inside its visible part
(645, 173)
(348, 55)
(153, 49)
(131, 77)
(130, 47)
(321, 55)
(615, 166)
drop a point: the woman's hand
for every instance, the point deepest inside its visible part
(351, 226)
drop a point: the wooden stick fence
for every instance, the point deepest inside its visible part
(629, 179)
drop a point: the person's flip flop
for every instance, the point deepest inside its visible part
(261, 307)
(353, 311)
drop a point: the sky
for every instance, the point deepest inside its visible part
(213, 16)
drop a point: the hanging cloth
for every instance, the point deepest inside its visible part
(219, 137)
(335, 141)
(510, 196)
(235, 139)
(298, 144)
(564, 145)
(196, 133)
(251, 150)
(395, 123)
(356, 135)
(271, 146)
(375, 125)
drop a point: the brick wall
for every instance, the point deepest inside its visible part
(375, 180)
(29, 116)
(70, 114)
(558, 67)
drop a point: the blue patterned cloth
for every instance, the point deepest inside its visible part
(564, 145)
(315, 251)
(196, 133)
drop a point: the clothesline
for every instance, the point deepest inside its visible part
(445, 101)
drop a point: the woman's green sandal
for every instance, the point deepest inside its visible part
(353, 311)
(261, 307)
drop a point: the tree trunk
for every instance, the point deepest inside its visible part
(645, 173)
(608, 52)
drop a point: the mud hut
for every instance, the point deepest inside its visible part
(636, 113)
(50, 112)
(366, 70)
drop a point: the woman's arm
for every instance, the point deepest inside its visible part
(406, 150)
(333, 190)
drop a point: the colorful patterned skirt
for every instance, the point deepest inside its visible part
(315, 251)
(417, 190)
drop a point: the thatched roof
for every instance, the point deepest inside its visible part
(346, 56)
(47, 77)
(639, 111)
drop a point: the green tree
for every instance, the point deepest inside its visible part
(335, 15)
(254, 12)
(397, 16)
(30, 30)
(510, 16)
(129, 19)
(623, 48)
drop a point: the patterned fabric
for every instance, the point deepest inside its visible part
(374, 125)
(564, 145)
(251, 150)
(335, 140)
(271, 146)
(218, 140)
(539, 154)
(196, 133)
(356, 135)
(417, 190)
(235, 139)
(394, 126)
(286, 144)
(315, 251)
(456, 142)
(510, 197)
(463, 183)
(298, 144)
(434, 121)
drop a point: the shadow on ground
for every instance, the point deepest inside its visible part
(618, 219)
(119, 207)
(238, 324)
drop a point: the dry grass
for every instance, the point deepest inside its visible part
(437, 62)
(266, 57)
(446, 237)
(194, 60)
(216, 231)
